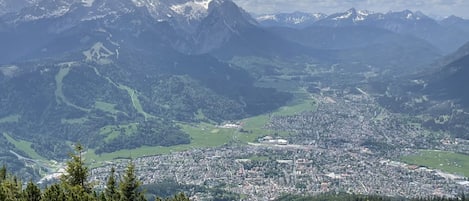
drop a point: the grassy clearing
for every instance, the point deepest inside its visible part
(10, 119)
(74, 121)
(446, 161)
(112, 131)
(24, 146)
(132, 93)
(202, 136)
(135, 101)
(106, 107)
(255, 125)
(259, 158)
(59, 95)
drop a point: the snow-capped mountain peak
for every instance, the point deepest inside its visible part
(348, 14)
(293, 19)
(195, 9)
(352, 14)
(406, 15)
(184, 14)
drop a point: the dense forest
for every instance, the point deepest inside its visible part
(54, 103)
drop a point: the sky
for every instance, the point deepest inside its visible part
(434, 8)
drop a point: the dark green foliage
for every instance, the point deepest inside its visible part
(54, 104)
(180, 197)
(150, 133)
(111, 193)
(74, 187)
(77, 172)
(3, 173)
(164, 97)
(129, 186)
(53, 192)
(83, 87)
(32, 192)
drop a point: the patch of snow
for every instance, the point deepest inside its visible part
(196, 9)
(87, 3)
(318, 15)
(297, 20)
(364, 12)
(362, 15)
(347, 15)
(9, 71)
(267, 17)
(409, 16)
(100, 16)
(148, 3)
(55, 13)
(203, 3)
(359, 18)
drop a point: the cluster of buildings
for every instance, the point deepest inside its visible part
(346, 145)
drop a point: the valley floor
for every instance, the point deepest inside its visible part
(348, 144)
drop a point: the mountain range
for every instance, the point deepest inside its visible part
(447, 34)
(71, 70)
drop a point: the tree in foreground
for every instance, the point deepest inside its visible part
(76, 171)
(111, 193)
(129, 185)
(32, 192)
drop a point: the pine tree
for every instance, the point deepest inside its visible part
(3, 176)
(129, 186)
(180, 197)
(3, 173)
(102, 197)
(32, 192)
(11, 189)
(76, 171)
(53, 192)
(111, 192)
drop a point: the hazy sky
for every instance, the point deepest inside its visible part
(440, 8)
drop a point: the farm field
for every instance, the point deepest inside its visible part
(449, 162)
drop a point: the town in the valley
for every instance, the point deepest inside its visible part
(348, 144)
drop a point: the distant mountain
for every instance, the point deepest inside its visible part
(447, 35)
(349, 18)
(455, 22)
(184, 14)
(367, 44)
(223, 23)
(292, 20)
(451, 80)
